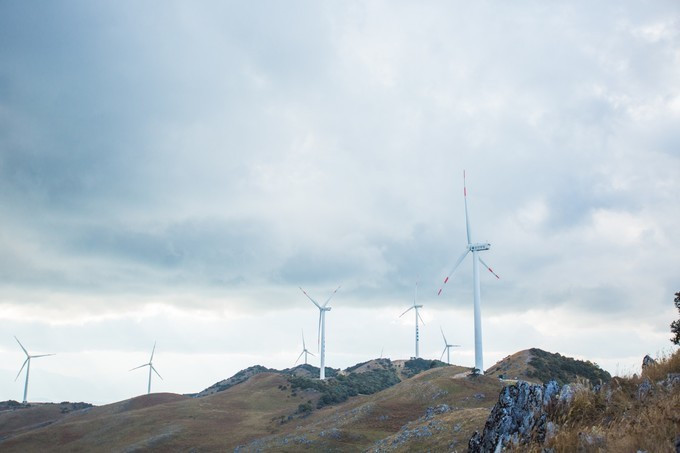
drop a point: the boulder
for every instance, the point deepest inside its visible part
(519, 417)
(647, 361)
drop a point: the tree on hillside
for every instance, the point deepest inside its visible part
(675, 325)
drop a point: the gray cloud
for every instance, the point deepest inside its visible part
(215, 157)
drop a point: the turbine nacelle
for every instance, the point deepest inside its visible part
(479, 247)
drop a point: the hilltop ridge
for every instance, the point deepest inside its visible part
(401, 405)
(539, 366)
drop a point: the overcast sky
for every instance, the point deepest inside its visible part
(174, 171)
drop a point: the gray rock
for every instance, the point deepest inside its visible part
(644, 389)
(519, 418)
(647, 361)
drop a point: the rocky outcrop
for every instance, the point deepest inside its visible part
(520, 417)
(647, 361)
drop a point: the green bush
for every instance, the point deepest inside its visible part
(339, 388)
(548, 366)
(415, 366)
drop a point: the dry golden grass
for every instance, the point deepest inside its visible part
(628, 415)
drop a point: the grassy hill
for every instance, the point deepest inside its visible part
(389, 416)
(407, 405)
(536, 365)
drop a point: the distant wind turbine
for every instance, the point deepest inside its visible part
(27, 364)
(151, 368)
(475, 249)
(447, 348)
(415, 307)
(322, 330)
(304, 350)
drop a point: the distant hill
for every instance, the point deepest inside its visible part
(537, 365)
(402, 369)
(401, 405)
(304, 370)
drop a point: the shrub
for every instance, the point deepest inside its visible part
(338, 389)
(548, 366)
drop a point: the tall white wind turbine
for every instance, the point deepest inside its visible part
(447, 348)
(415, 307)
(304, 350)
(475, 248)
(151, 368)
(322, 330)
(27, 364)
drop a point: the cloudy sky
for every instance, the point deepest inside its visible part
(174, 171)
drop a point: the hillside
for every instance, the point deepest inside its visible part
(401, 405)
(627, 414)
(434, 409)
(536, 365)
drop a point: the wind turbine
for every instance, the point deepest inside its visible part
(27, 364)
(151, 367)
(304, 350)
(475, 248)
(415, 307)
(447, 348)
(322, 329)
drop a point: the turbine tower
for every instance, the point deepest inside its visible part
(322, 330)
(415, 307)
(475, 248)
(151, 368)
(27, 364)
(447, 348)
(304, 350)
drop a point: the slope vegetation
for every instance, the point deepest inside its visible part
(537, 365)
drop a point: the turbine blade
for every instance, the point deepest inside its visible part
(331, 296)
(140, 366)
(467, 221)
(311, 353)
(298, 359)
(41, 355)
(442, 356)
(421, 318)
(445, 342)
(152, 352)
(22, 367)
(415, 295)
(487, 266)
(308, 296)
(460, 260)
(154, 370)
(409, 309)
(22, 346)
(303, 341)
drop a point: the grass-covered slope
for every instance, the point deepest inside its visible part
(537, 365)
(374, 404)
(431, 411)
(217, 422)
